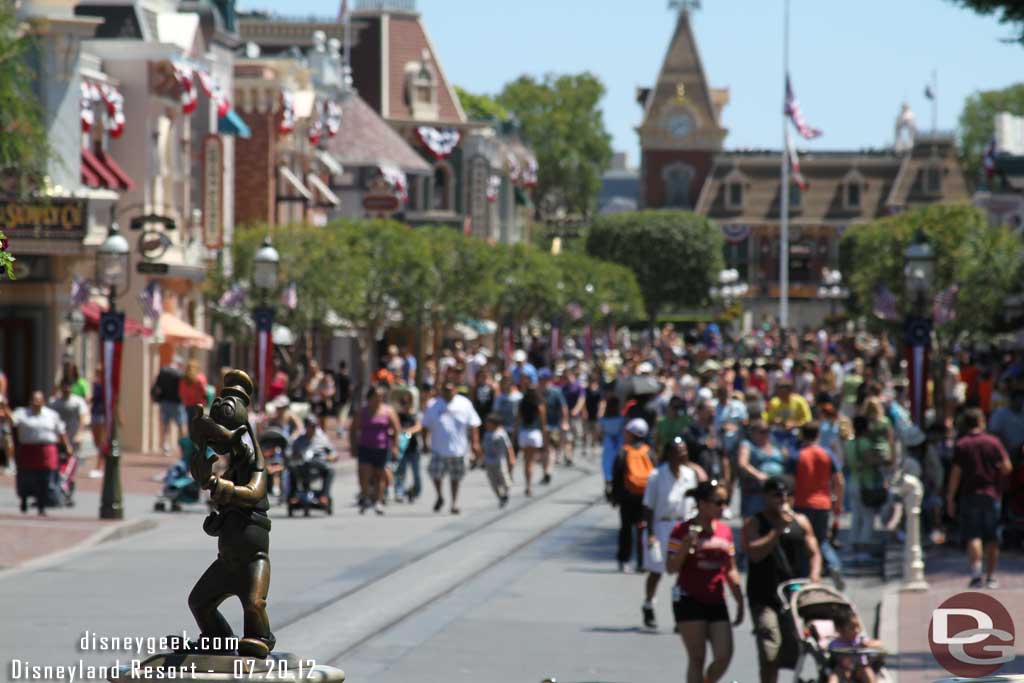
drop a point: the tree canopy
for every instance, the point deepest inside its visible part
(983, 261)
(675, 255)
(561, 120)
(977, 123)
(480, 107)
(1009, 12)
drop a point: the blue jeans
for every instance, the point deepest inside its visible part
(410, 458)
(819, 522)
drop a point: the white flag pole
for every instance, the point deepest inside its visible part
(784, 193)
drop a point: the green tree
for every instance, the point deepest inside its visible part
(24, 149)
(984, 262)
(675, 255)
(1009, 11)
(977, 123)
(480, 107)
(562, 121)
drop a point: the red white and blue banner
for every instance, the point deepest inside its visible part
(918, 334)
(439, 142)
(734, 233)
(264, 318)
(111, 344)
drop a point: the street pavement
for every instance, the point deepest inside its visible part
(490, 595)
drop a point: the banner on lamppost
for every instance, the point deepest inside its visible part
(111, 343)
(264, 319)
(917, 340)
(588, 341)
(508, 340)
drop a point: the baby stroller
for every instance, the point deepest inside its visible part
(309, 486)
(179, 486)
(812, 609)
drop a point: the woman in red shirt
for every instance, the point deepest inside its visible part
(701, 551)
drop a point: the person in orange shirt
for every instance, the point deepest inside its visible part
(819, 490)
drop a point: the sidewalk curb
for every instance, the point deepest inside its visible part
(889, 630)
(113, 532)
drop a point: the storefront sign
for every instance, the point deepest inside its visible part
(153, 244)
(151, 268)
(63, 219)
(213, 192)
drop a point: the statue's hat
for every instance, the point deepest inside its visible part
(237, 383)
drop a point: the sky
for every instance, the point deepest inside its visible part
(852, 63)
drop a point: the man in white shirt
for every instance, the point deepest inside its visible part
(452, 422)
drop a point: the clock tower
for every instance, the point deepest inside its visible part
(681, 128)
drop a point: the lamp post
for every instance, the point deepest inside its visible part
(112, 261)
(919, 272)
(832, 289)
(729, 287)
(264, 277)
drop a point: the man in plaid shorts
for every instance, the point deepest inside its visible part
(452, 422)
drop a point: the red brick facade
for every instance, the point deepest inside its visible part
(653, 163)
(255, 171)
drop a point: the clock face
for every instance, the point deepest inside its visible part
(680, 125)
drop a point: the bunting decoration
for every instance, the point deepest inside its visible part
(111, 343)
(440, 143)
(528, 176)
(89, 95)
(287, 113)
(264, 318)
(734, 233)
(332, 117)
(395, 177)
(92, 94)
(211, 88)
(315, 132)
(185, 76)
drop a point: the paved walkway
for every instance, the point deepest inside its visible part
(947, 575)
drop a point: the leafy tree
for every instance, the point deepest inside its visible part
(480, 107)
(675, 255)
(1009, 11)
(562, 122)
(604, 291)
(977, 123)
(984, 262)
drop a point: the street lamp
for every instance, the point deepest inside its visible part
(919, 273)
(831, 288)
(264, 278)
(112, 261)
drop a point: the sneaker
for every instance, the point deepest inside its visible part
(649, 619)
(976, 582)
(503, 501)
(379, 508)
(547, 479)
(96, 474)
(992, 583)
(439, 504)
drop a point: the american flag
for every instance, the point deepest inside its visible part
(79, 290)
(290, 296)
(885, 303)
(944, 305)
(794, 163)
(152, 300)
(792, 110)
(232, 297)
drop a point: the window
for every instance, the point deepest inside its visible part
(795, 196)
(933, 180)
(421, 87)
(853, 195)
(801, 257)
(735, 196)
(737, 255)
(440, 198)
(678, 179)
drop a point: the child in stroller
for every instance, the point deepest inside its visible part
(851, 667)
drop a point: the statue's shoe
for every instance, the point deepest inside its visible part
(253, 647)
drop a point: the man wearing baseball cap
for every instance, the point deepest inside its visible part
(630, 472)
(521, 366)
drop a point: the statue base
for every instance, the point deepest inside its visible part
(197, 666)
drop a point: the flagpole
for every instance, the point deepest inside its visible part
(935, 101)
(784, 193)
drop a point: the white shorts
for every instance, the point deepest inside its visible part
(531, 438)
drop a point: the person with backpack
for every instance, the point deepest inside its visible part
(632, 468)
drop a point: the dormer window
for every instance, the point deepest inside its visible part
(421, 87)
(795, 196)
(735, 195)
(853, 195)
(852, 188)
(933, 179)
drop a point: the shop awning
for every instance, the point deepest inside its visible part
(295, 183)
(330, 163)
(328, 197)
(91, 311)
(178, 332)
(100, 170)
(232, 124)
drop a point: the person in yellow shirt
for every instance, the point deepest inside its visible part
(787, 409)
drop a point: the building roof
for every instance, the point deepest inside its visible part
(365, 139)
(887, 181)
(401, 39)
